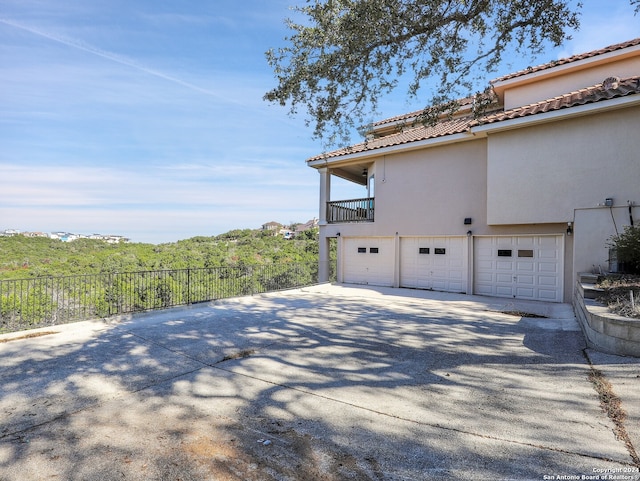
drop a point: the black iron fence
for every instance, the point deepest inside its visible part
(46, 301)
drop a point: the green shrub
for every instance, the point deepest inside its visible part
(627, 249)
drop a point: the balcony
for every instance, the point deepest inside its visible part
(354, 210)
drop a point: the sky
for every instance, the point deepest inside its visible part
(145, 118)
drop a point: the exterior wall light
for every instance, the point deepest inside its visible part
(569, 228)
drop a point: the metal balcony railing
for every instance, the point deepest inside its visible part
(354, 210)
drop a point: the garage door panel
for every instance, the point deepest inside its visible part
(504, 266)
(456, 263)
(548, 267)
(526, 267)
(484, 277)
(485, 264)
(503, 291)
(504, 278)
(547, 295)
(522, 293)
(363, 266)
(548, 281)
(526, 280)
(442, 265)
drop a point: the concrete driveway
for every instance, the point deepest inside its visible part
(324, 383)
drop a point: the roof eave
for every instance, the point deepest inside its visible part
(562, 69)
(392, 149)
(555, 115)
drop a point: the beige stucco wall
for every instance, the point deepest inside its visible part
(542, 174)
(542, 86)
(594, 228)
(430, 192)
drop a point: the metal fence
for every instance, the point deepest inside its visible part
(46, 301)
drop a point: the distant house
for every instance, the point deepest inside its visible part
(34, 234)
(273, 227)
(512, 201)
(110, 239)
(69, 237)
(310, 224)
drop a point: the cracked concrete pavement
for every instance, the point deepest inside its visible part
(329, 382)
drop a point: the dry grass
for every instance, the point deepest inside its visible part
(612, 406)
(617, 294)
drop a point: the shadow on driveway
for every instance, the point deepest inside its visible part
(324, 383)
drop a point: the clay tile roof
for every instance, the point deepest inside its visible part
(416, 114)
(574, 58)
(616, 88)
(415, 134)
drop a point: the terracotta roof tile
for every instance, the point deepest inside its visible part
(597, 93)
(574, 58)
(619, 88)
(415, 134)
(416, 114)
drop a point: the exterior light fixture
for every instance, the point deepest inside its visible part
(569, 228)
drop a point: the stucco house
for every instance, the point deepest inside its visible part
(513, 202)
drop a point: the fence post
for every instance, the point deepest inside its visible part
(188, 286)
(110, 296)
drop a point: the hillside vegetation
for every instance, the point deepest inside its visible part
(24, 257)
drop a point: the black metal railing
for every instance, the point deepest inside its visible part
(354, 210)
(46, 301)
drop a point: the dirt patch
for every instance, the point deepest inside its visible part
(273, 452)
(29, 336)
(621, 294)
(239, 355)
(523, 314)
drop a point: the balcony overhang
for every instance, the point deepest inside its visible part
(352, 174)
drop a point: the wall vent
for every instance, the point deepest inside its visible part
(611, 83)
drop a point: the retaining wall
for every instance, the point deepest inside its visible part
(603, 330)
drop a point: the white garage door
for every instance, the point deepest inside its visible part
(437, 263)
(368, 260)
(522, 267)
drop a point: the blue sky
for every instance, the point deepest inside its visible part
(145, 118)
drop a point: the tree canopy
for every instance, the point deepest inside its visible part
(24, 257)
(344, 55)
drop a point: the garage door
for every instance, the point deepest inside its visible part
(368, 260)
(522, 267)
(437, 263)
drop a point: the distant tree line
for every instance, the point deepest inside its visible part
(45, 281)
(26, 257)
